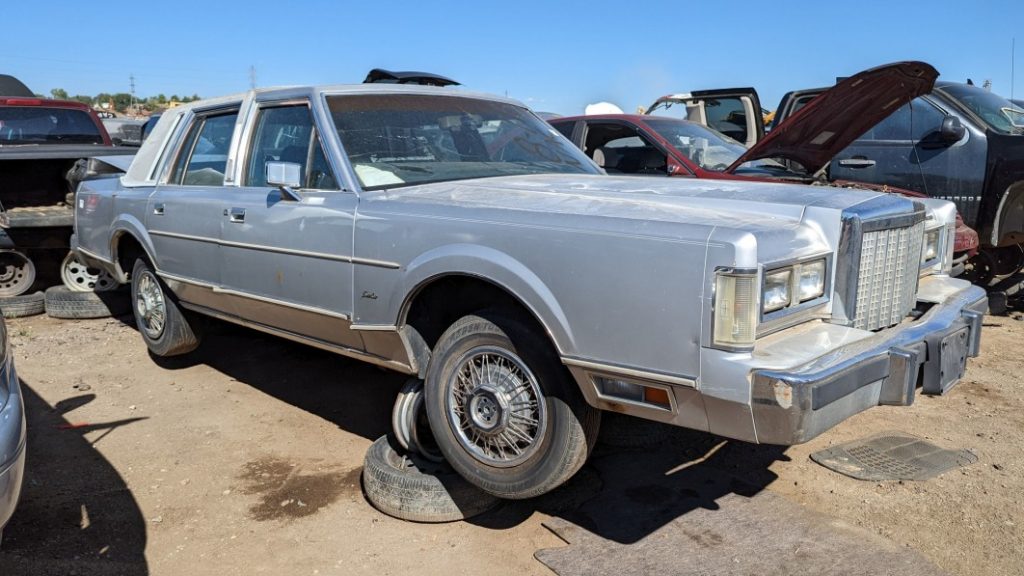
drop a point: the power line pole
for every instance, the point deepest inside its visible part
(252, 77)
(131, 81)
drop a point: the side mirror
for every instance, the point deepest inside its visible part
(952, 130)
(286, 176)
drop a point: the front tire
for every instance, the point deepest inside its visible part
(166, 330)
(503, 409)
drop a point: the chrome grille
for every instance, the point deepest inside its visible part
(887, 277)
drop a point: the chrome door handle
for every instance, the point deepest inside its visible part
(158, 209)
(857, 163)
(236, 214)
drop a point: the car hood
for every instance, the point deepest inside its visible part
(841, 114)
(637, 205)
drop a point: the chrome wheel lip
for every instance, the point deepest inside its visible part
(408, 422)
(150, 307)
(78, 277)
(512, 423)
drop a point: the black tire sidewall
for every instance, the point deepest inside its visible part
(177, 336)
(548, 466)
(423, 492)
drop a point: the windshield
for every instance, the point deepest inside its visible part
(397, 140)
(707, 148)
(37, 125)
(998, 112)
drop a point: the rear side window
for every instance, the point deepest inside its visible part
(565, 128)
(203, 158)
(39, 125)
(287, 134)
(728, 116)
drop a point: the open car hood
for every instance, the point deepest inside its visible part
(841, 114)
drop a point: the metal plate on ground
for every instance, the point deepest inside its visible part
(892, 456)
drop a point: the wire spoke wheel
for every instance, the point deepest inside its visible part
(495, 407)
(150, 305)
(17, 273)
(79, 277)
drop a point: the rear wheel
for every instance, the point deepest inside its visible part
(163, 325)
(503, 409)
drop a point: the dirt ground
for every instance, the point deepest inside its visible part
(244, 458)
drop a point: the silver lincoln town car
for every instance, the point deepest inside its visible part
(457, 238)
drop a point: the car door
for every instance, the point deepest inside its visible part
(286, 261)
(885, 154)
(735, 112)
(951, 168)
(183, 215)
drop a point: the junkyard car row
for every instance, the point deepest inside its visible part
(521, 273)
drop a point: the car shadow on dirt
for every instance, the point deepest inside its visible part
(625, 494)
(622, 494)
(354, 395)
(76, 513)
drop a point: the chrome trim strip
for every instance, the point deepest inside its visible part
(276, 250)
(94, 255)
(228, 291)
(315, 342)
(611, 369)
(374, 327)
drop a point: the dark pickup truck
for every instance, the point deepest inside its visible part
(960, 143)
(42, 142)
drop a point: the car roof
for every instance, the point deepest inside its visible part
(343, 89)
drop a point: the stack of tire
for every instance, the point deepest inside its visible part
(405, 476)
(85, 293)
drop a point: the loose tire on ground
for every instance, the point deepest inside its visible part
(409, 487)
(63, 303)
(409, 422)
(24, 305)
(165, 327)
(505, 412)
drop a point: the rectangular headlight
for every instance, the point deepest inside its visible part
(777, 285)
(932, 248)
(736, 309)
(812, 280)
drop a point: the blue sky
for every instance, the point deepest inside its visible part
(555, 56)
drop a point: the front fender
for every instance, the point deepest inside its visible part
(493, 266)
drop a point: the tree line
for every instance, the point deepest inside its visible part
(121, 101)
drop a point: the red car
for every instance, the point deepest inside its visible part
(796, 151)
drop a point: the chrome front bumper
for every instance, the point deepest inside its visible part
(12, 444)
(793, 405)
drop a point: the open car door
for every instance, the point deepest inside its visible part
(735, 112)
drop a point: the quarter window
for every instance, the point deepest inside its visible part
(204, 156)
(287, 134)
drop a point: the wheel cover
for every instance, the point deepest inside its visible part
(495, 407)
(150, 307)
(17, 273)
(80, 278)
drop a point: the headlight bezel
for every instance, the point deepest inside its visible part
(940, 262)
(764, 323)
(797, 302)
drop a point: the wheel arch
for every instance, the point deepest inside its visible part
(129, 241)
(1008, 225)
(496, 275)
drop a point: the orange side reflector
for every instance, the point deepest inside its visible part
(656, 396)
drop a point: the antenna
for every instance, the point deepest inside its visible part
(252, 77)
(1013, 52)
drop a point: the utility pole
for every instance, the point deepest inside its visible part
(131, 82)
(252, 77)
